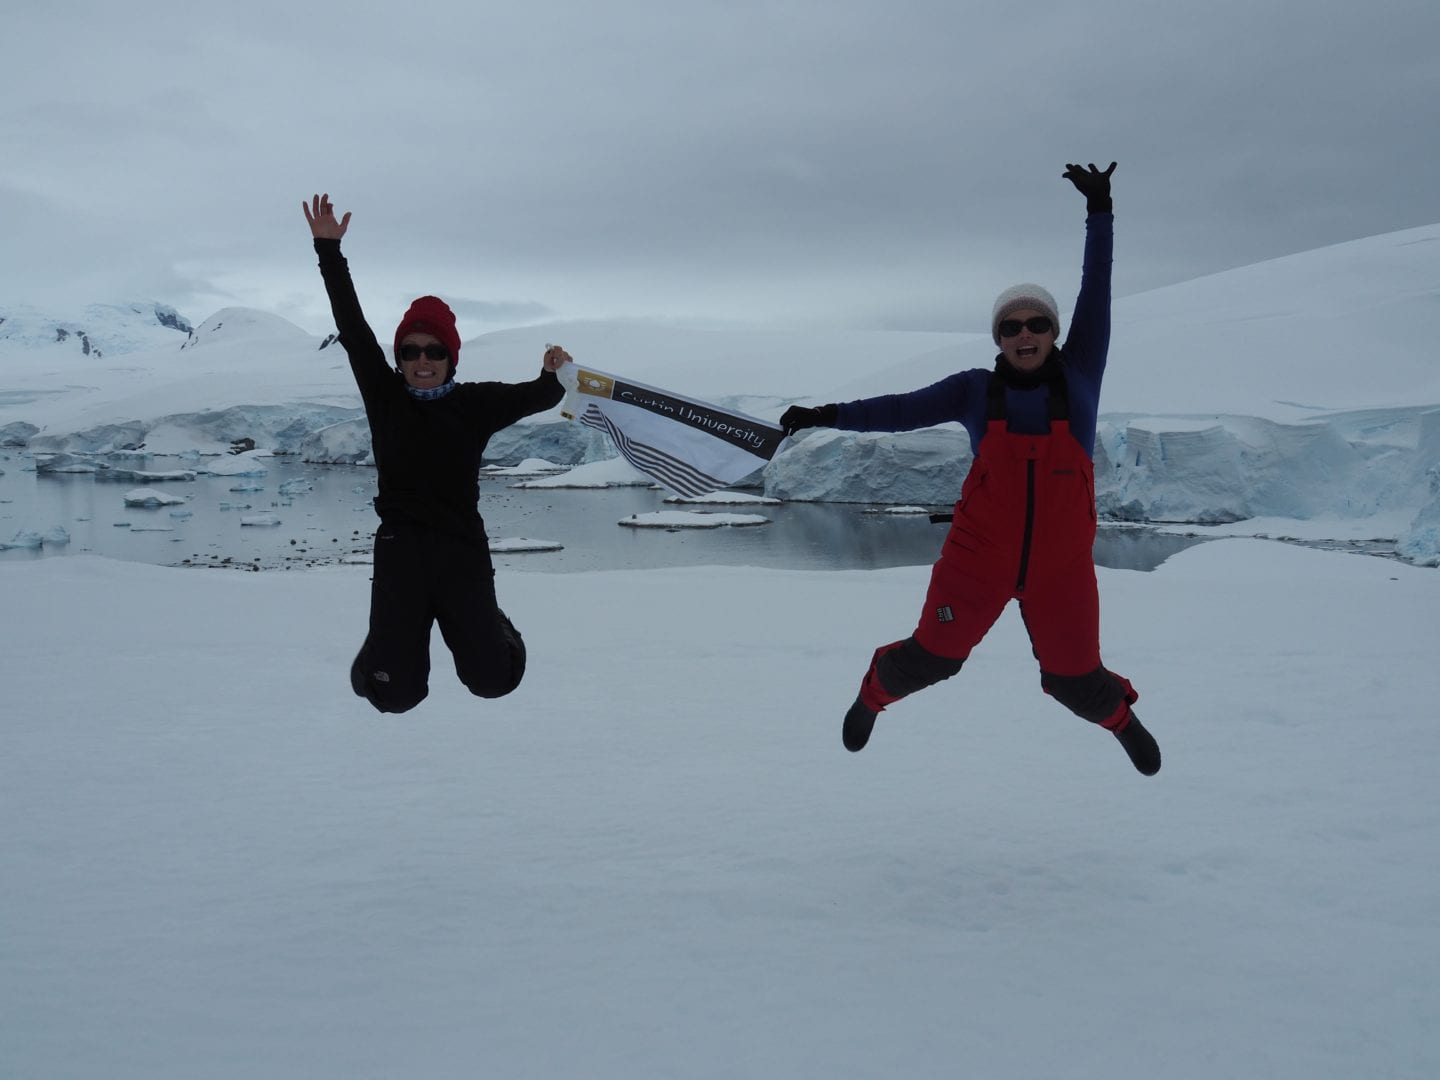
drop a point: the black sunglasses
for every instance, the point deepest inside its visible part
(433, 351)
(1036, 324)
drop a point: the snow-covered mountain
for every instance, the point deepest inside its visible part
(1300, 388)
(97, 330)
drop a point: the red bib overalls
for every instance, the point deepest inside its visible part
(1024, 529)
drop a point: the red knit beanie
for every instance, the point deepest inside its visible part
(430, 315)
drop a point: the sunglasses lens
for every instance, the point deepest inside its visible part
(1037, 324)
(411, 353)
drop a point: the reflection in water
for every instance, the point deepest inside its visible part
(334, 520)
(1132, 548)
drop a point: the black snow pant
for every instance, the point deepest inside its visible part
(424, 576)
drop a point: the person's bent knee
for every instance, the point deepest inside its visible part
(495, 680)
(495, 684)
(909, 667)
(1095, 696)
(388, 696)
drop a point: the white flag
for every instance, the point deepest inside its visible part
(688, 446)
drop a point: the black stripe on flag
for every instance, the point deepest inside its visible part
(671, 471)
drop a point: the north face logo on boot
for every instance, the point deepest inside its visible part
(944, 614)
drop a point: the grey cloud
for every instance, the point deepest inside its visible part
(851, 161)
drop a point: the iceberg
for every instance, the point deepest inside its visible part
(521, 545)
(926, 466)
(685, 519)
(612, 472)
(17, 433)
(151, 499)
(25, 538)
(344, 443)
(246, 464)
(724, 498)
(527, 468)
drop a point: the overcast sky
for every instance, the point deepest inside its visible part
(851, 163)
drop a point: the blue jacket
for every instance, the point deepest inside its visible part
(961, 396)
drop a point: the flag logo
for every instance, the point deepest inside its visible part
(594, 382)
(944, 614)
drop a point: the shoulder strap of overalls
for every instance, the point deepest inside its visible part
(1058, 400)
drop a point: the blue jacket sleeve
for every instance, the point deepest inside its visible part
(941, 402)
(1089, 342)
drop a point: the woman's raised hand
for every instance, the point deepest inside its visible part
(321, 216)
(1094, 184)
(555, 358)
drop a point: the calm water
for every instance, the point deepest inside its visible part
(334, 520)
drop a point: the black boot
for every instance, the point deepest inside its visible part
(357, 675)
(1144, 751)
(516, 645)
(859, 722)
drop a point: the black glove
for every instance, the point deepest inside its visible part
(797, 417)
(1094, 185)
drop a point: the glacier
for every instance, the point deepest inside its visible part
(1298, 390)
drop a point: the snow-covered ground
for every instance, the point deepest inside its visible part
(1304, 388)
(656, 859)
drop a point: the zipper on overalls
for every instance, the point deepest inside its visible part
(1057, 408)
(1029, 525)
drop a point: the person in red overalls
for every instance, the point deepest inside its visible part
(1025, 524)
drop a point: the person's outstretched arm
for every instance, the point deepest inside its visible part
(1088, 342)
(367, 358)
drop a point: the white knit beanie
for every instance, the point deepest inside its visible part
(1019, 297)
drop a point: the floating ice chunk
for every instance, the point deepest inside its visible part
(57, 537)
(25, 538)
(152, 528)
(245, 464)
(143, 476)
(151, 499)
(613, 472)
(246, 486)
(528, 467)
(684, 519)
(263, 520)
(63, 463)
(724, 498)
(898, 511)
(234, 506)
(513, 545)
(298, 486)
(181, 515)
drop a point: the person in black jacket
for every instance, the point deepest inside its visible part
(432, 556)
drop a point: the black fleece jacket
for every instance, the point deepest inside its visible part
(427, 452)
